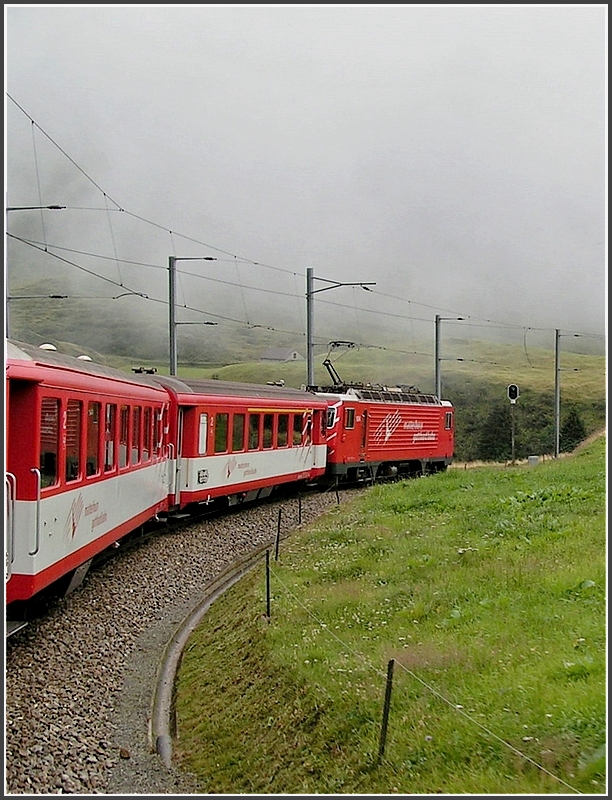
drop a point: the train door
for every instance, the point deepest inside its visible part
(9, 525)
(22, 477)
(364, 435)
(180, 449)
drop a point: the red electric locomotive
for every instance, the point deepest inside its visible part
(379, 432)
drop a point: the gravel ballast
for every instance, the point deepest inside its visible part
(79, 681)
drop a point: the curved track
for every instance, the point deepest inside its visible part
(80, 697)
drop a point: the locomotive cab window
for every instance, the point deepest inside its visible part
(349, 418)
(49, 440)
(331, 417)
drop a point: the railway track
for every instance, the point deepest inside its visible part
(86, 710)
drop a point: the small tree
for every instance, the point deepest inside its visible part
(572, 431)
(495, 441)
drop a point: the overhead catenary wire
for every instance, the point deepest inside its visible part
(245, 322)
(234, 256)
(40, 202)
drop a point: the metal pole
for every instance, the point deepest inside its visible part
(557, 392)
(512, 407)
(438, 376)
(309, 326)
(278, 531)
(385, 719)
(171, 313)
(6, 309)
(268, 584)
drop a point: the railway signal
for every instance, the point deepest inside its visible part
(513, 394)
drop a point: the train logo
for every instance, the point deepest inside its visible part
(387, 427)
(74, 516)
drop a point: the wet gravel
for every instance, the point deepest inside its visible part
(79, 681)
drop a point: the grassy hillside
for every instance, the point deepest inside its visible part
(487, 589)
(476, 386)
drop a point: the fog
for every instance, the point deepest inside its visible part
(453, 155)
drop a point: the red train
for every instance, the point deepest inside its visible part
(93, 453)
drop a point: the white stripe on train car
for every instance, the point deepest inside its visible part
(74, 519)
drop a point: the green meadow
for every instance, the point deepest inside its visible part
(485, 589)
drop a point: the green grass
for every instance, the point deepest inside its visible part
(486, 587)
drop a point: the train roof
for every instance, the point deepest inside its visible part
(21, 351)
(234, 389)
(31, 354)
(383, 394)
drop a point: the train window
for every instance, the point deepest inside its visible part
(136, 416)
(160, 426)
(146, 434)
(238, 432)
(221, 421)
(307, 429)
(49, 440)
(283, 430)
(268, 429)
(349, 418)
(92, 465)
(448, 420)
(298, 424)
(110, 427)
(253, 431)
(364, 429)
(203, 434)
(124, 426)
(73, 439)
(323, 423)
(331, 417)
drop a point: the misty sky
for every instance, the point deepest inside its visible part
(456, 155)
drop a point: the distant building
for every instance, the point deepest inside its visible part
(281, 354)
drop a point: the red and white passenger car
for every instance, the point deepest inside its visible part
(93, 453)
(240, 441)
(86, 463)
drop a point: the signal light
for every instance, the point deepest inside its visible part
(513, 392)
